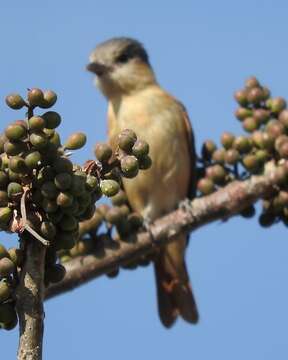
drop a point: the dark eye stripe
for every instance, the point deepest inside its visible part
(132, 51)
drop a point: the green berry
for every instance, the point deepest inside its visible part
(5, 291)
(36, 123)
(49, 190)
(205, 186)
(6, 267)
(140, 149)
(38, 140)
(16, 255)
(241, 113)
(64, 199)
(52, 119)
(227, 140)
(232, 156)
(241, 97)
(35, 96)
(255, 95)
(7, 313)
(119, 199)
(76, 141)
(15, 132)
(63, 181)
(91, 183)
(33, 159)
(283, 117)
(3, 198)
(129, 166)
(62, 165)
(109, 187)
(207, 149)
(49, 99)
(277, 104)
(251, 82)
(17, 165)
(219, 156)
(145, 163)
(250, 124)
(126, 140)
(242, 144)
(103, 152)
(14, 190)
(15, 101)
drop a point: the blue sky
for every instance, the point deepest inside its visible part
(201, 52)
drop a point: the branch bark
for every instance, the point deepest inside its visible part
(220, 205)
(30, 295)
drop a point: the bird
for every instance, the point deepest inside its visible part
(136, 101)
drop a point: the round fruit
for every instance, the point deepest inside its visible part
(36, 123)
(15, 101)
(207, 149)
(76, 141)
(49, 190)
(126, 140)
(63, 181)
(109, 187)
(64, 199)
(35, 96)
(91, 183)
(3, 252)
(62, 165)
(7, 313)
(5, 291)
(145, 163)
(49, 99)
(38, 140)
(129, 166)
(103, 152)
(227, 140)
(205, 186)
(15, 132)
(14, 189)
(17, 165)
(16, 255)
(6, 267)
(140, 149)
(33, 159)
(52, 119)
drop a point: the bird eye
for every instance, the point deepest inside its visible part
(123, 58)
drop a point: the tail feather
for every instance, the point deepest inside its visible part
(174, 292)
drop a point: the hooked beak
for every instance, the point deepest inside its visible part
(97, 68)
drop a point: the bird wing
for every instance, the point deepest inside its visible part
(191, 145)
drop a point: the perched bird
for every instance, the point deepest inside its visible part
(136, 101)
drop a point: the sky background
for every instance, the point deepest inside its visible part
(201, 52)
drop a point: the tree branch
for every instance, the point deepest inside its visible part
(220, 205)
(30, 294)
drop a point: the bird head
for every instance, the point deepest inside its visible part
(121, 66)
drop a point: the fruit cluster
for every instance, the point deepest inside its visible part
(44, 196)
(265, 119)
(9, 261)
(130, 156)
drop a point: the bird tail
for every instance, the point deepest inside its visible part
(174, 292)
